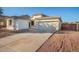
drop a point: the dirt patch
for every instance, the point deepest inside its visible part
(4, 33)
(63, 41)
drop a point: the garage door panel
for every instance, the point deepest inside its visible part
(46, 26)
(22, 24)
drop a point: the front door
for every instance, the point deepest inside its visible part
(32, 23)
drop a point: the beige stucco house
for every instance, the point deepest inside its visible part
(46, 23)
(39, 22)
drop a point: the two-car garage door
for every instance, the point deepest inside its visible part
(47, 26)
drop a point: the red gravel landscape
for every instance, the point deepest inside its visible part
(63, 41)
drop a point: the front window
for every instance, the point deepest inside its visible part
(10, 22)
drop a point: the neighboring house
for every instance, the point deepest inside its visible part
(46, 23)
(18, 22)
(3, 21)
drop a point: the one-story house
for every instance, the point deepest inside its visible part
(18, 22)
(46, 23)
(37, 21)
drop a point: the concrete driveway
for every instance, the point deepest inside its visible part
(28, 42)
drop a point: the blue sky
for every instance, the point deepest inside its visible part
(68, 14)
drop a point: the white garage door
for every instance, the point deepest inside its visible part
(46, 26)
(22, 24)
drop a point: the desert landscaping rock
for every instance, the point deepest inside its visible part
(63, 41)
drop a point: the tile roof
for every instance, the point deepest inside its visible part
(39, 14)
(50, 17)
(24, 17)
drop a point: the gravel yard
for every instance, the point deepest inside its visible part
(63, 41)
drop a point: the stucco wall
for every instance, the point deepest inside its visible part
(9, 27)
(34, 17)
